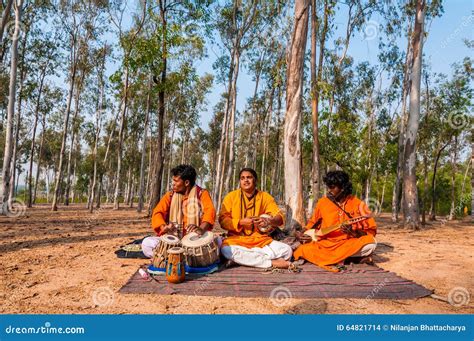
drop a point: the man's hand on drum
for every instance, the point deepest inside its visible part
(262, 222)
(200, 230)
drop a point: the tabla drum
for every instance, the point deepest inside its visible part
(160, 254)
(175, 272)
(201, 251)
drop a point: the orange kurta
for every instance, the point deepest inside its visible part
(237, 206)
(161, 211)
(337, 245)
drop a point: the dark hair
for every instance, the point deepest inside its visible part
(340, 179)
(250, 170)
(185, 172)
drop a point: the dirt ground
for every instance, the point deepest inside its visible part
(64, 262)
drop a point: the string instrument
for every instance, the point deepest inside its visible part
(345, 226)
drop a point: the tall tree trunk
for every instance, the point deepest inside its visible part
(141, 189)
(433, 183)
(425, 190)
(231, 165)
(220, 154)
(397, 188)
(315, 79)
(263, 172)
(98, 114)
(410, 201)
(120, 140)
(40, 153)
(452, 211)
(13, 188)
(59, 173)
(250, 153)
(33, 138)
(5, 17)
(294, 93)
(73, 137)
(155, 196)
(7, 158)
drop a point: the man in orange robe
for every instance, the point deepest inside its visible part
(187, 205)
(338, 206)
(241, 215)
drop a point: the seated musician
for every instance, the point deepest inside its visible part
(356, 240)
(187, 205)
(249, 242)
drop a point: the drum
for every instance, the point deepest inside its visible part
(160, 254)
(201, 251)
(175, 272)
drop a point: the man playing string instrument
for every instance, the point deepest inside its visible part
(250, 215)
(187, 208)
(352, 240)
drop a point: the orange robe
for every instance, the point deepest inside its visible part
(161, 211)
(237, 206)
(336, 246)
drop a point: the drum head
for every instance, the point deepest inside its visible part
(193, 239)
(176, 250)
(170, 239)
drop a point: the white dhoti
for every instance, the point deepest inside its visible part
(366, 250)
(259, 257)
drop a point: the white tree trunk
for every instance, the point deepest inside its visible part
(294, 94)
(410, 192)
(7, 158)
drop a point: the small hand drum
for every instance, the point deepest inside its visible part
(167, 241)
(175, 272)
(266, 229)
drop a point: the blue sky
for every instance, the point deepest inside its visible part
(443, 46)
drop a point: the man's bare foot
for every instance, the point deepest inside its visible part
(280, 263)
(230, 263)
(367, 260)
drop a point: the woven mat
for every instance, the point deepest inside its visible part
(358, 281)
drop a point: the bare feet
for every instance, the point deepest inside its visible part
(280, 263)
(230, 263)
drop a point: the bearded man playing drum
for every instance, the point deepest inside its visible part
(250, 215)
(187, 208)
